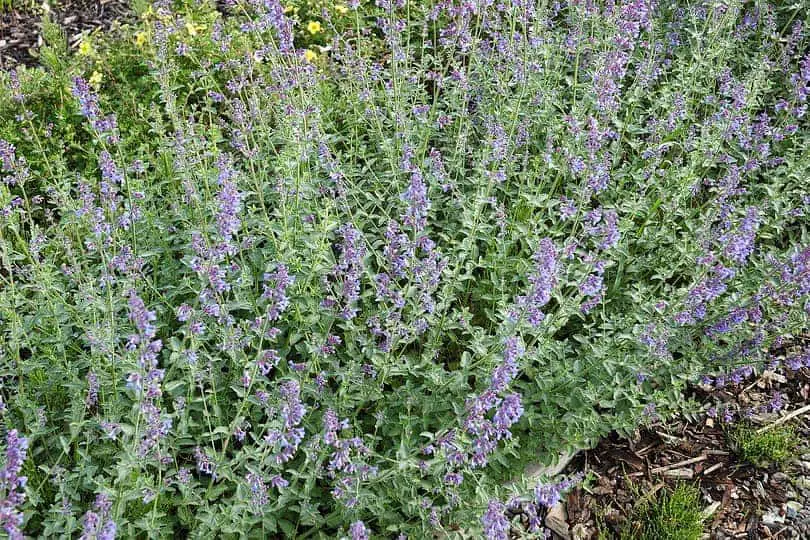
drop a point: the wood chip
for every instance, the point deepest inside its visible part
(711, 469)
(680, 473)
(771, 376)
(698, 459)
(557, 521)
(784, 419)
(710, 510)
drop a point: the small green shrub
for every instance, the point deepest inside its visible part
(775, 446)
(674, 515)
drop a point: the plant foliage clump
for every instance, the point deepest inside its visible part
(674, 515)
(772, 447)
(346, 271)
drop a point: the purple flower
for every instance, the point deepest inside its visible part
(92, 390)
(359, 531)
(258, 491)
(88, 101)
(494, 522)
(776, 403)
(599, 178)
(509, 412)
(454, 478)
(197, 328)
(285, 442)
(548, 495)
(204, 463)
(332, 425)
(541, 283)
(592, 285)
(12, 485)
(568, 208)
(416, 195)
(609, 230)
(278, 482)
(508, 369)
(88, 107)
(183, 476)
(109, 170)
(111, 429)
(268, 360)
(140, 316)
(229, 200)
(740, 245)
(656, 340)
(96, 523)
(347, 272)
(276, 293)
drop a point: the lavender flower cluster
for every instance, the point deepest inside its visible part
(348, 287)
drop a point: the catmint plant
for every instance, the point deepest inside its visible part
(346, 272)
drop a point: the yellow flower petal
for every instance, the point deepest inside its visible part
(340, 8)
(191, 28)
(313, 27)
(85, 48)
(141, 38)
(309, 55)
(95, 79)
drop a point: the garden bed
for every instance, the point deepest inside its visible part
(21, 26)
(352, 270)
(742, 500)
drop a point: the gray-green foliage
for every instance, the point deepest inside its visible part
(447, 302)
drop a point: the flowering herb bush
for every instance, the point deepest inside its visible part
(356, 297)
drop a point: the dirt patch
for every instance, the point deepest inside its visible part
(743, 501)
(21, 27)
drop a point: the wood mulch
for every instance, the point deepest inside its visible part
(21, 27)
(742, 501)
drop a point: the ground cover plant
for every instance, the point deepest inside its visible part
(763, 448)
(250, 289)
(672, 514)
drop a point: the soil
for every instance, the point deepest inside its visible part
(21, 26)
(744, 501)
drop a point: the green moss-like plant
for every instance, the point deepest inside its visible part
(676, 514)
(773, 447)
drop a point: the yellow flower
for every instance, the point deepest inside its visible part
(309, 55)
(192, 28)
(313, 27)
(288, 9)
(340, 8)
(148, 13)
(85, 48)
(141, 38)
(95, 79)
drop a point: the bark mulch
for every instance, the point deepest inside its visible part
(21, 26)
(743, 501)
